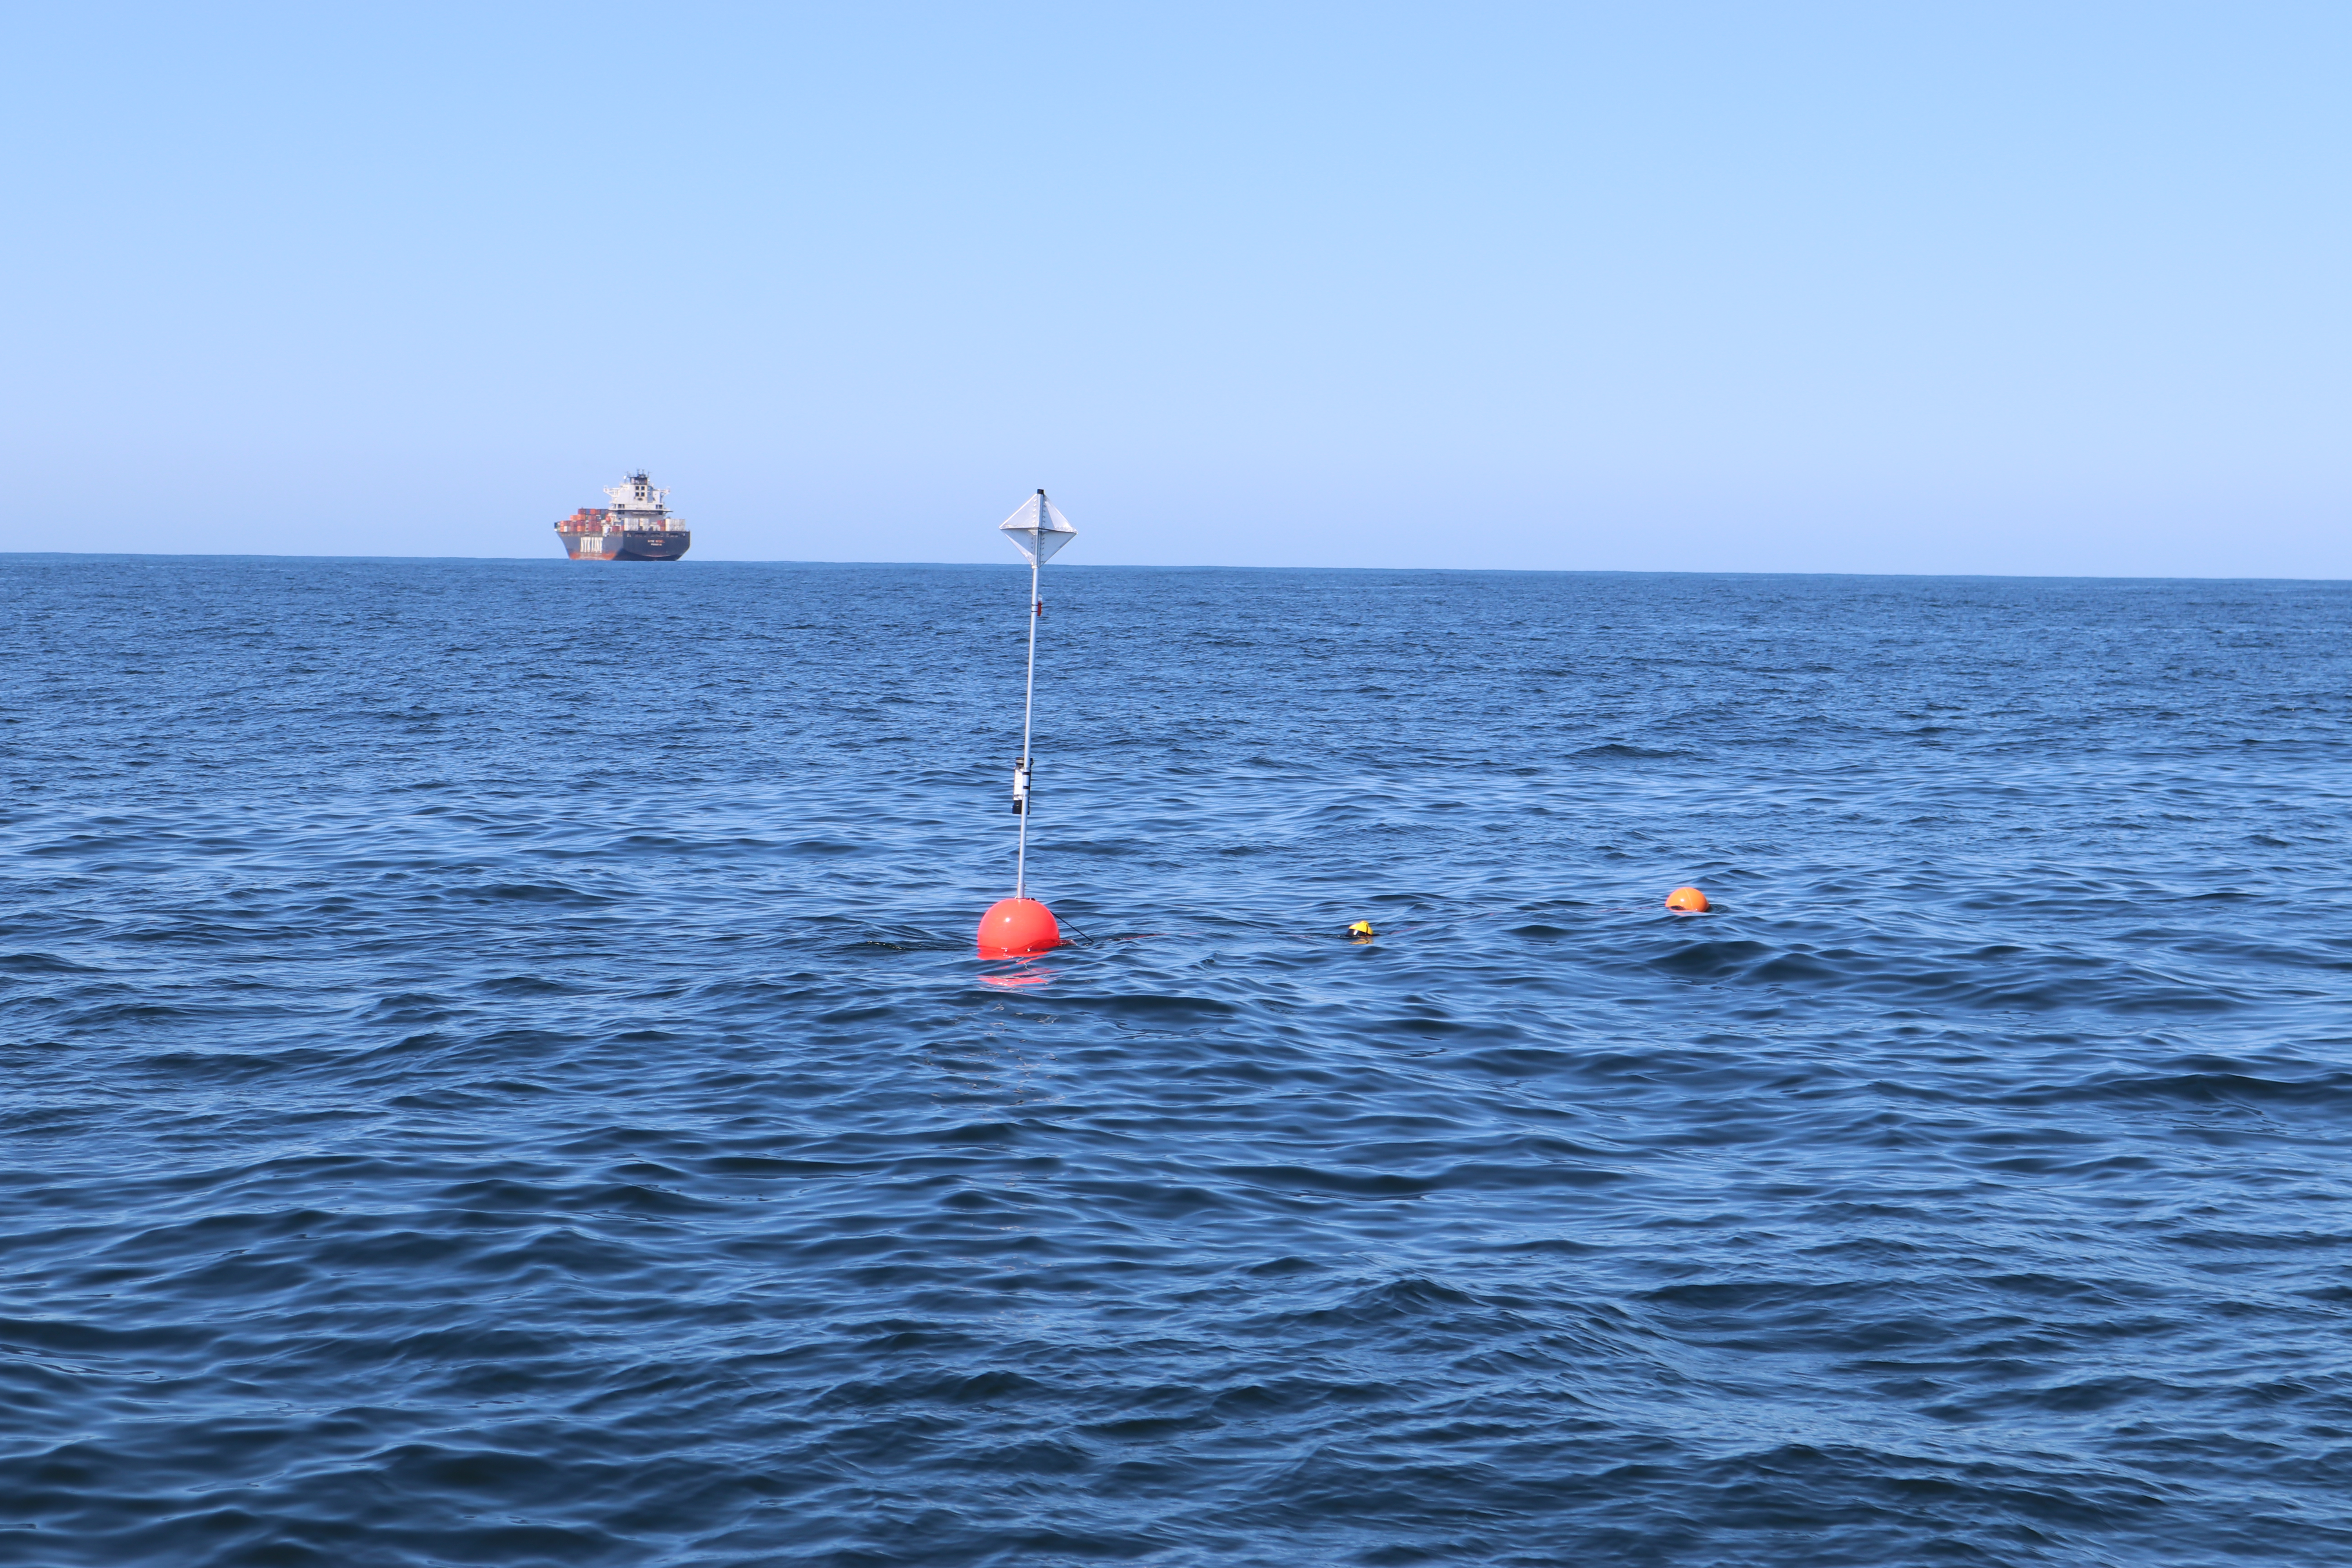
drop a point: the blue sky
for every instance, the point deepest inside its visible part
(1869, 288)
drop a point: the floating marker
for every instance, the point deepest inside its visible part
(1012, 927)
(1689, 900)
(1362, 931)
(1020, 924)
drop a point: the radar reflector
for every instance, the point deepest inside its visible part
(1038, 528)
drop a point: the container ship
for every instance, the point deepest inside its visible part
(636, 527)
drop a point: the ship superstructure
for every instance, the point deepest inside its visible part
(638, 526)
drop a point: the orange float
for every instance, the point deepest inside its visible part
(1689, 900)
(1014, 928)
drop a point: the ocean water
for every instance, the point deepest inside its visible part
(493, 1069)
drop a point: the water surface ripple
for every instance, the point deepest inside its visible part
(495, 1071)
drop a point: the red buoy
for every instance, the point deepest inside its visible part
(1012, 927)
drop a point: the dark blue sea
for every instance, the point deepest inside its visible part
(494, 1068)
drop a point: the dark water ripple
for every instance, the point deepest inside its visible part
(495, 1073)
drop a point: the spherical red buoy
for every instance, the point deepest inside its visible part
(1012, 927)
(1690, 900)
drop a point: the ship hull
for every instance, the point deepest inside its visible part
(636, 546)
(667, 546)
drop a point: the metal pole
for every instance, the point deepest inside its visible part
(1028, 707)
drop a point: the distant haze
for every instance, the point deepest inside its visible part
(1973, 288)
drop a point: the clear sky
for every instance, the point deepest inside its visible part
(1969, 286)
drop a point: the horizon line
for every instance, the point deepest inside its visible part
(1191, 566)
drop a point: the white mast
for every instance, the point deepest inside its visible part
(1028, 707)
(1037, 529)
